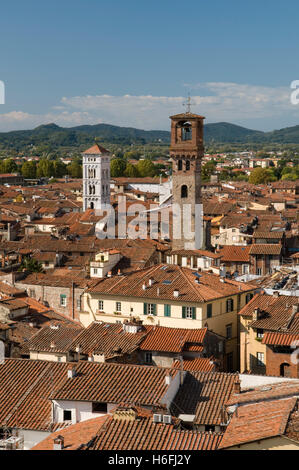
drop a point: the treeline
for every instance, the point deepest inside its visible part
(44, 168)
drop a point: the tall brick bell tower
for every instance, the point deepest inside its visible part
(186, 152)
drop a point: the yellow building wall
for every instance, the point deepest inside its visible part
(274, 443)
(134, 307)
(249, 345)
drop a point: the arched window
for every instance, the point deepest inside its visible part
(180, 165)
(187, 165)
(184, 191)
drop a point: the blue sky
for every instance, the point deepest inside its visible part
(133, 62)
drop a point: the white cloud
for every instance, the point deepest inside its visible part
(255, 106)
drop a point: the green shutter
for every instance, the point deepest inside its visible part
(145, 309)
(193, 313)
(167, 310)
(154, 309)
(183, 312)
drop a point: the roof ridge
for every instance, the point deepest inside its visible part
(190, 283)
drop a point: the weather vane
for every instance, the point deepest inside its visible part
(188, 104)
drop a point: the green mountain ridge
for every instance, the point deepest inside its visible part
(56, 136)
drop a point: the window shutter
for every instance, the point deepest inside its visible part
(193, 313)
(154, 309)
(145, 309)
(232, 304)
(183, 312)
(167, 310)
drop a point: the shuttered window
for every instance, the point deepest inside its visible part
(189, 312)
(167, 310)
(150, 309)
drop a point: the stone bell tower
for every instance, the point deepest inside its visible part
(186, 153)
(96, 178)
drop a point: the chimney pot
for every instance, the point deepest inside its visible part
(58, 443)
(237, 387)
(167, 379)
(295, 308)
(71, 372)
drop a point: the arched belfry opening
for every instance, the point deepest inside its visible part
(184, 131)
(184, 191)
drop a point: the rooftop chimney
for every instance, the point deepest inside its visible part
(151, 282)
(109, 274)
(58, 443)
(167, 379)
(237, 387)
(71, 372)
(295, 308)
(256, 314)
(276, 294)
(144, 286)
(176, 293)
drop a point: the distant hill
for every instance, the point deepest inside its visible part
(221, 132)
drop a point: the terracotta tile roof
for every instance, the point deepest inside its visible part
(259, 394)
(110, 433)
(280, 339)
(28, 386)
(175, 278)
(174, 340)
(96, 150)
(112, 383)
(75, 435)
(275, 313)
(201, 364)
(274, 235)
(10, 290)
(208, 254)
(203, 394)
(44, 256)
(13, 304)
(231, 253)
(217, 208)
(109, 339)
(257, 421)
(265, 249)
(54, 338)
(25, 388)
